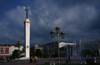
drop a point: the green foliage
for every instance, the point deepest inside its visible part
(45, 54)
(38, 53)
(15, 54)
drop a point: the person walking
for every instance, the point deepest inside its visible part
(69, 58)
(89, 60)
(35, 59)
(31, 59)
(94, 60)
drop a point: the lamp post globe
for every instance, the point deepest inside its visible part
(53, 35)
(57, 29)
(63, 35)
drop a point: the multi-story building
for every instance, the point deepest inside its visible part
(37, 47)
(51, 46)
(82, 49)
(91, 48)
(7, 50)
(54, 47)
(4, 51)
(73, 49)
(13, 47)
(36, 50)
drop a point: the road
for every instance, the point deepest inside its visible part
(42, 61)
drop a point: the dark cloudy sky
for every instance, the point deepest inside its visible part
(80, 19)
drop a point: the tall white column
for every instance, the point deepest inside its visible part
(27, 37)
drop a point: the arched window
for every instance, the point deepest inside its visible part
(0, 50)
(3, 50)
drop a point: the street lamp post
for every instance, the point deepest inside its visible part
(53, 35)
(18, 44)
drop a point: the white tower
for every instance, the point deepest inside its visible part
(27, 35)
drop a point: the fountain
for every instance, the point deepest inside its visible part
(75, 51)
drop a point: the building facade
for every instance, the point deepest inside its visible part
(91, 48)
(13, 47)
(37, 47)
(74, 50)
(4, 51)
(54, 47)
(51, 46)
(82, 50)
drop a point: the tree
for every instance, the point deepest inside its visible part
(45, 54)
(38, 53)
(15, 54)
(42, 51)
(51, 53)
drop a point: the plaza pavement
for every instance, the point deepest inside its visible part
(43, 61)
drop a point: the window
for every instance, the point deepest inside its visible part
(3, 50)
(0, 50)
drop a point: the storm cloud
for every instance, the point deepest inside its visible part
(78, 18)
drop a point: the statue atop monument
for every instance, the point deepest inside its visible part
(26, 12)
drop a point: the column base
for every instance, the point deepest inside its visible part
(23, 58)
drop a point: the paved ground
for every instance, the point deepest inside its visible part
(42, 61)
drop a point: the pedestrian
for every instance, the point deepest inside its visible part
(69, 58)
(31, 59)
(94, 60)
(88, 60)
(35, 59)
(50, 57)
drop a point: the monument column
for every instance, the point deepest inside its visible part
(27, 34)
